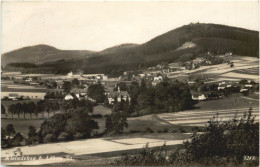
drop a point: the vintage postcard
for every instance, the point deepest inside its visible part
(151, 83)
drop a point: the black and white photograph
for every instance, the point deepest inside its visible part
(121, 83)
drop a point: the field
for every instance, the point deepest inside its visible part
(85, 150)
(31, 91)
(223, 109)
(244, 68)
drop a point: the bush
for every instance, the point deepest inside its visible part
(63, 136)
(146, 157)
(49, 138)
(96, 115)
(165, 130)
(174, 131)
(159, 131)
(18, 138)
(148, 130)
(220, 144)
(230, 140)
(78, 136)
(182, 130)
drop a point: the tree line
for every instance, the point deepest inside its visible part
(33, 108)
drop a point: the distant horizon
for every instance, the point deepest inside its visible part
(96, 26)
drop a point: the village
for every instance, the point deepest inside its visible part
(201, 88)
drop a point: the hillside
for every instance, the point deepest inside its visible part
(41, 53)
(217, 39)
(118, 48)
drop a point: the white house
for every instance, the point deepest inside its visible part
(243, 90)
(69, 97)
(221, 87)
(158, 78)
(199, 97)
(105, 77)
(28, 80)
(70, 74)
(141, 75)
(248, 86)
(98, 77)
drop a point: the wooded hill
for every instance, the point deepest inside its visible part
(217, 39)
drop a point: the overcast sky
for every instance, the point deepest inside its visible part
(98, 25)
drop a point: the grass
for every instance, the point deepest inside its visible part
(157, 125)
(232, 101)
(21, 125)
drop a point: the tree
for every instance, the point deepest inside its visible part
(96, 92)
(24, 109)
(243, 81)
(10, 129)
(32, 135)
(2, 109)
(18, 138)
(40, 107)
(31, 108)
(80, 123)
(75, 82)
(117, 121)
(18, 109)
(66, 86)
(143, 86)
(12, 110)
(122, 86)
(77, 124)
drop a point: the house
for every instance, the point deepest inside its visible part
(191, 82)
(82, 92)
(229, 54)
(158, 78)
(198, 96)
(29, 80)
(243, 90)
(98, 77)
(221, 87)
(229, 86)
(248, 86)
(105, 77)
(141, 75)
(70, 96)
(13, 96)
(70, 74)
(182, 68)
(118, 95)
(154, 83)
(222, 83)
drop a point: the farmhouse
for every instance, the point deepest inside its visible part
(119, 95)
(198, 96)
